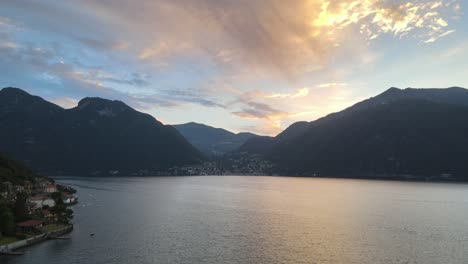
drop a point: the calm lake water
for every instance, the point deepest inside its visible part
(241, 219)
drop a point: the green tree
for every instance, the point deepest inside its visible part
(7, 220)
(20, 208)
(63, 213)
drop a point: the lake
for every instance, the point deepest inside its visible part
(242, 219)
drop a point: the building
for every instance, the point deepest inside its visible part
(41, 184)
(50, 188)
(48, 216)
(41, 201)
(28, 187)
(30, 226)
(18, 188)
(69, 199)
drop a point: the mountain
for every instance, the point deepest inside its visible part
(97, 135)
(14, 171)
(410, 133)
(210, 140)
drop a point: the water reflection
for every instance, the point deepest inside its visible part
(261, 220)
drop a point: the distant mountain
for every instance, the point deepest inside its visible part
(97, 135)
(410, 133)
(210, 140)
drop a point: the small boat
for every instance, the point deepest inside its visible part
(92, 234)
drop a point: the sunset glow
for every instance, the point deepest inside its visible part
(253, 66)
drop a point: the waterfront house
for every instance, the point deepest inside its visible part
(30, 226)
(40, 201)
(69, 199)
(48, 216)
(50, 188)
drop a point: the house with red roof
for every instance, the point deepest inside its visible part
(30, 226)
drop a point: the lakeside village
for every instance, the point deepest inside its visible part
(32, 210)
(240, 164)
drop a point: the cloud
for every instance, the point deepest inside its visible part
(164, 53)
(267, 36)
(376, 17)
(8, 45)
(331, 84)
(271, 128)
(299, 93)
(434, 38)
(103, 44)
(254, 106)
(134, 80)
(76, 80)
(163, 49)
(5, 21)
(256, 110)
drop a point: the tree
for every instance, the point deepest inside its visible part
(63, 213)
(57, 196)
(20, 208)
(7, 220)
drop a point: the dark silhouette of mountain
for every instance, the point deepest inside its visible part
(97, 135)
(294, 130)
(212, 141)
(258, 145)
(410, 133)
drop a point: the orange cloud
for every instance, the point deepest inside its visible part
(332, 84)
(299, 93)
(376, 17)
(287, 37)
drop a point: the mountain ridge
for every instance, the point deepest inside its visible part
(360, 140)
(400, 133)
(96, 136)
(211, 140)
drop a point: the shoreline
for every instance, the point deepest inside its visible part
(399, 179)
(11, 247)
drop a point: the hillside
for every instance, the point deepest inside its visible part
(409, 133)
(210, 140)
(96, 137)
(14, 172)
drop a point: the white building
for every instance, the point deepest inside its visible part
(40, 201)
(69, 198)
(50, 188)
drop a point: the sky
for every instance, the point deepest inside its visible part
(244, 65)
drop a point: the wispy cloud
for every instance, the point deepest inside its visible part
(280, 36)
(376, 17)
(104, 44)
(331, 84)
(255, 110)
(46, 65)
(283, 59)
(434, 38)
(299, 93)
